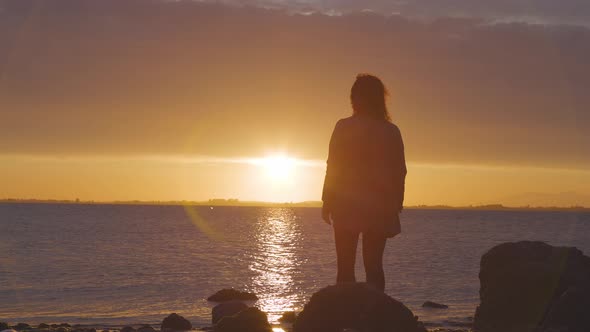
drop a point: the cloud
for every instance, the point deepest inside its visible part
(121, 77)
(571, 12)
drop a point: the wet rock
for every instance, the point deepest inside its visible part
(288, 317)
(127, 329)
(230, 294)
(4, 326)
(227, 309)
(176, 322)
(526, 286)
(248, 320)
(22, 326)
(146, 328)
(434, 305)
(355, 306)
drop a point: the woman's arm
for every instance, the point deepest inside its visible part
(330, 179)
(400, 170)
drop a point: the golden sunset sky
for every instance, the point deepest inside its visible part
(180, 100)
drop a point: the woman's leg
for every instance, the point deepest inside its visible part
(373, 247)
(346, 242)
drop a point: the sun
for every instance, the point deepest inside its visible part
(279, 167)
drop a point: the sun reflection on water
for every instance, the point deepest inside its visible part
(276, 262)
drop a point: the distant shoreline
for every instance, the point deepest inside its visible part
(307, 204)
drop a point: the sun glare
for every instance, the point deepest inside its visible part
(279, 167)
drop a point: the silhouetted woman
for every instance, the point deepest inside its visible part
(364, 186)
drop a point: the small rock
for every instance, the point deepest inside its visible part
(65, 325)
(176, 322)
(54, 326)
(430, 304)
(43, 326)
(251, 320)
(230, 294)
(227, 309)
(146, 328)
(288, 317)
(62, 329)
(127, 329)
(22, 326)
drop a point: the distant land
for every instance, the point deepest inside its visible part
(316, 204)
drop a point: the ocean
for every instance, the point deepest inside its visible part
(131, 264)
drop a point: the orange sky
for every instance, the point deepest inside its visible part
(158, 102)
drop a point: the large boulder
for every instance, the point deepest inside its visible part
(249, 320)
(355, 306)
(176, 322)
(226, 309)
(230, 294)
(532, 286)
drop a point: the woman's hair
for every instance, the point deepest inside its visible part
(368, 95)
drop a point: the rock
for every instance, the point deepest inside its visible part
(8, 330)
(571, 311)
(430, 304)
(127, 329)
(532, 286)
(176, 323)
(65, 325)
(22, 326)
(146, 328)
(4, 326)
(288, 317)
(355, 306)
(43, 326)
(248, 320)
(227, 309)
(54, 326)
(230, 294)
(62, 329)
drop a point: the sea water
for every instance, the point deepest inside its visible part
(130, 264)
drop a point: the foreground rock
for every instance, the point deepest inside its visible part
(532, 286)
(288, 317)
(434, 305)
(355, 306)
(249, 320)
(230, 294)
(4, 326)
(176, 322)
(226, 309)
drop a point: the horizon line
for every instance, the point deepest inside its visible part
(253, 203)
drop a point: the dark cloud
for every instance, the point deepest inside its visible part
(182, 77)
